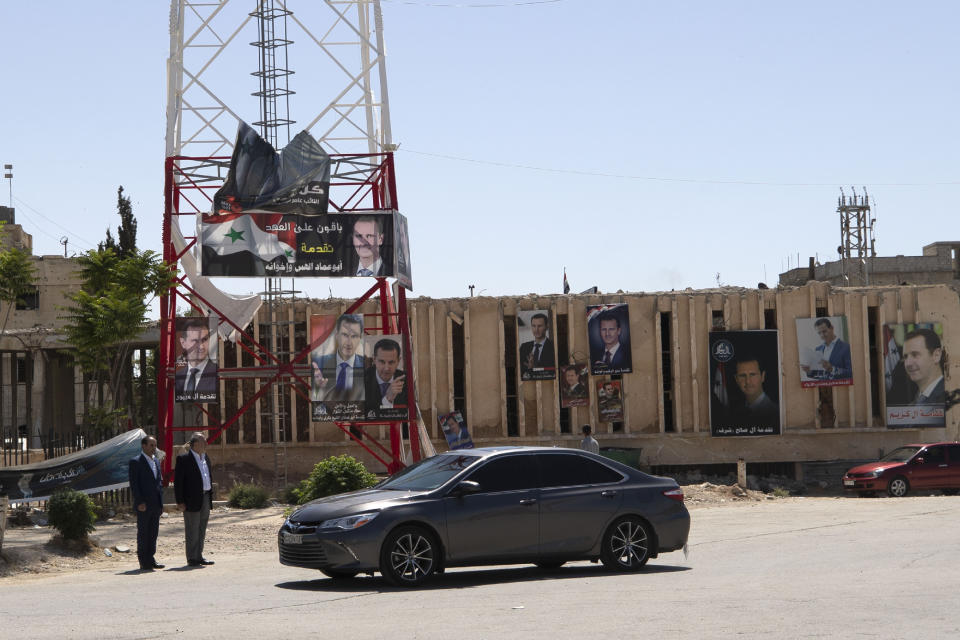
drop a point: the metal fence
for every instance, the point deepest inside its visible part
(13, 447)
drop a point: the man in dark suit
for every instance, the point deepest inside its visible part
(339, 376)
(613, 355)
(193, 487)
(923, 360)
(196, 376)
(367, 238)
(536, 353)
(834, 353)
(385, 385)
(146, 485)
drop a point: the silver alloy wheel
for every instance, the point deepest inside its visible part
(898, 487)
(627, 545)
(411, 557)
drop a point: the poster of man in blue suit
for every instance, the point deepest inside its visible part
(608, 327)
(824, 352)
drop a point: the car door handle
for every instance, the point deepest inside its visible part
(608, 494)
(528, 501)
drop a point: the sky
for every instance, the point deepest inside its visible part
(640, 145)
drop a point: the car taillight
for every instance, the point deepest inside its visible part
(675, 494)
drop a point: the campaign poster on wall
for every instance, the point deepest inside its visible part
(744, 383)
(823, 348)
(608, 331)
(573, 386)
(537, 350)
(258, 243)
(609, 401)
(337, 367)
(454, 429)
(195, 369)
(914, 361)
(385, 379)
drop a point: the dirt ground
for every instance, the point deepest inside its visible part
(33, 549)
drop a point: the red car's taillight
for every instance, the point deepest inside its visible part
(675, 494)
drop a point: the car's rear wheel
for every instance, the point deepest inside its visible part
(408, 556)
(339, 575)
(550, 564)
(898, 487)
(626, 544)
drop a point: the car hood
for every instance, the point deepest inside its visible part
(873, 466)
(346, 504)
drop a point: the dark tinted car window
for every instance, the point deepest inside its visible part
(934, 455)
(429, 473)
(954, 453)
(508, 473)
(565, 469)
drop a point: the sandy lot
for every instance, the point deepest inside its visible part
(30, 550)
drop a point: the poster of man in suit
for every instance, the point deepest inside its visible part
(195, 373)
(454, 429)
(384, 379)
(610, 401)
(608, 328)
(824, 352)
(744, 383)
(914, 360)
(537, 351)
(573, 386)
(337, 367)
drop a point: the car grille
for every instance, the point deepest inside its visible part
(860, 475)
(309, 554)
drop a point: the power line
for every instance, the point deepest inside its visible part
(41, 229)
(600, 174)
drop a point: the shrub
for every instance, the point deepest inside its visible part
(288, 495)
(247, 496)
(72, 514)
(336, 474)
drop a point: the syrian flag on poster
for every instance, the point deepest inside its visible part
(264, 235)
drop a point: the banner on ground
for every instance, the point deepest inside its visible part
(98, 468)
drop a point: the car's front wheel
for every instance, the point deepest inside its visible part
(898, 487)
(626, 544)
(408, 556)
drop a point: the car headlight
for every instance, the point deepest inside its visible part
(349, 522)
(876, 473)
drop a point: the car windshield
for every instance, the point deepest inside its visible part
(901, 454)
(428, 474)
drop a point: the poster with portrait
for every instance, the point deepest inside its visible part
(609, 401)
(823, 348)
(337, 367)
(454, 429)
(258, 243)
(573, 386)
(608, 331)
(385, 378)
(744, 383)
(914, 358)
(401, 242)
(195, 369)
(538, 360)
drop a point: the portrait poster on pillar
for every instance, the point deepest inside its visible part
(608, 329)
(609, 401)
(259, 243)
(573, 386)
(454, 429)
(823, 348)
(401, 242)
(537, 351)
(337, 367)
(914, 359)
(195, 368)
(744, 383)
(385, 378)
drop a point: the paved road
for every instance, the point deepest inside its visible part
(818, 568)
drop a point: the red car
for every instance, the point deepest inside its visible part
(911, 467)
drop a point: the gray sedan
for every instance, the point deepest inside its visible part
(501, 505)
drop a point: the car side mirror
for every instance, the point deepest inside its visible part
(918, 461)
(464, 487)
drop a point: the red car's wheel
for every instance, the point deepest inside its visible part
(898, 487)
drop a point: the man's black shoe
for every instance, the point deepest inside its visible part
(144, 567)
(204, 561)
(194, 563)
(157, 565)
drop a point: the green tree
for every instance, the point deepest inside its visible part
(109, 311)
(126, 243)
(16, 277)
